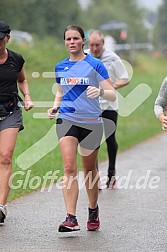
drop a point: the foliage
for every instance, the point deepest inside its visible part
(101, 12)
(40, 16)
(162, 23)
(50, 17)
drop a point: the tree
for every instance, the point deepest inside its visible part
(162, 23)
(100, 12)
(50, 17)
(40, 16)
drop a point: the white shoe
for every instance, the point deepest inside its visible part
(3, 213)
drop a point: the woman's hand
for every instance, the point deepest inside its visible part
(28, 104)
(163, 120)
(92, 92)
(52, 112)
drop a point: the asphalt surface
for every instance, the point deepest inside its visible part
(133, 217)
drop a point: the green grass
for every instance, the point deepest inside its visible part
(136, 127)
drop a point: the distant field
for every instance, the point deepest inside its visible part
(136, 127)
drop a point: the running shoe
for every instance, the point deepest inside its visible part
(3, 214)
(93, 223)
(111, 183)
(70, 224)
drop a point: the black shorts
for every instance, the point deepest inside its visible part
(12, 121)
(89, 135)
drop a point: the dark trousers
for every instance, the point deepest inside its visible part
(111, 142)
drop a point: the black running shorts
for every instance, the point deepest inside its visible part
(89, 135)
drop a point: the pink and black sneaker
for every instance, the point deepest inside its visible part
(70, 224)
(93, 223)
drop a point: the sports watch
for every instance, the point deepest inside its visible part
(101, 92)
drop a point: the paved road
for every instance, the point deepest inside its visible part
(133, 217)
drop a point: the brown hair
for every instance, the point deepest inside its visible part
(76, 28)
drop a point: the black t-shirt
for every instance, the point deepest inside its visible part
(9, 72)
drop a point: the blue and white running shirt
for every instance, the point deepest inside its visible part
(74, 78)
